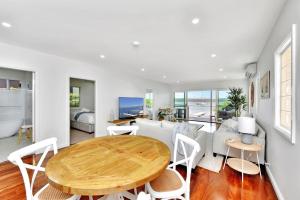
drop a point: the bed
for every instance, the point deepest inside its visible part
(82, 119)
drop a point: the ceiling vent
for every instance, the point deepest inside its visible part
(251, 70)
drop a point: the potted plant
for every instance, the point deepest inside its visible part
(163, 112)
(236, 100)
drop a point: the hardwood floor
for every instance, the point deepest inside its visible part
(205, 185)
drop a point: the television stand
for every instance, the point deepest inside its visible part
(120, 122)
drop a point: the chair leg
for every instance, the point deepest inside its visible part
(90, 197)
(135, 191)
(187, 196)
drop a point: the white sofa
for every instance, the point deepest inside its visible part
(163, 131)
(227, 132)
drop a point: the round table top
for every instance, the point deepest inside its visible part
(236, 143)
(106, 165)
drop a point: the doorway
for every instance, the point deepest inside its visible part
(82, 109)
(17, 125)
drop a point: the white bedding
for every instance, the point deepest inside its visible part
(88, 118)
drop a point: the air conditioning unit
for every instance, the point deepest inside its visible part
(251, 70)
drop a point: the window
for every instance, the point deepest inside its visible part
(202, 105)
(74, 96)
(179, 100)
(149, 102)
(284, 88)
(222, 99)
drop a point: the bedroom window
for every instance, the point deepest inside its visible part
(149, 102)
(285, 88)
(74, 96)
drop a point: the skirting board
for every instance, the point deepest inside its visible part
(274, 183)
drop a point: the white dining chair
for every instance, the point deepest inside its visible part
(47, 192)
(170, 184)
(143, 196)
(118, 130)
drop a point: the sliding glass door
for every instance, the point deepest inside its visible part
(199, 105)
(180, 105)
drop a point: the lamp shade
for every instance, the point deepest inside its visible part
(246, 125)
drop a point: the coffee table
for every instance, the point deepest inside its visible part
(240, 164)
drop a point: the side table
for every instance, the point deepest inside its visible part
(240, 164)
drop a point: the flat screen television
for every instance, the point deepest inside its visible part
(130, 107)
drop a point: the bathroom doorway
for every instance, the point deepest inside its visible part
(82, 110)
(16, 110)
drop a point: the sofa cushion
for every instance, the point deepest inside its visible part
(167, 124)
(231, 124)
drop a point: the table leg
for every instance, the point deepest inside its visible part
(226, 157)
(242, 165)
(258, 164)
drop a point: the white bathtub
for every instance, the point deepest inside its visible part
(9, 127)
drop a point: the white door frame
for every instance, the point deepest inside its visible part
(34, 102)
(68, 103)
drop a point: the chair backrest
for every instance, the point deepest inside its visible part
(118, 130)
(190, 148)
(16, 158)
(143, 196)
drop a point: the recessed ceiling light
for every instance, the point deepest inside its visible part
(136, 43)
(142, 69)
(221, 69)
(102, 56)
(6, 25)
(164, 76)
(213, 55)
(177, 81)
(225, 77)
(195, 20)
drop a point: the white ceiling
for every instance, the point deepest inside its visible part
(235, 30)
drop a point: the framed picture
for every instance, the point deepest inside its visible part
(265, 86)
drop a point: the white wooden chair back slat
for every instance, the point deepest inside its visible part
(143, 196)
(16, 158)
(188, 159)
(118, 130)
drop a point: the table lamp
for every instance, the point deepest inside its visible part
(247, 129)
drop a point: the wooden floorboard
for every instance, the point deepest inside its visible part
(205, 185)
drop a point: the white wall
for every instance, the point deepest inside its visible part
(281, 154)
(52, 89)
(87, 92)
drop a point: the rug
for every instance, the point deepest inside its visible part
(211, 163)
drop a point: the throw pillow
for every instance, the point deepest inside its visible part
(232, 124)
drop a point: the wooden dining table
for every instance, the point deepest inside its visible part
(108, 165)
